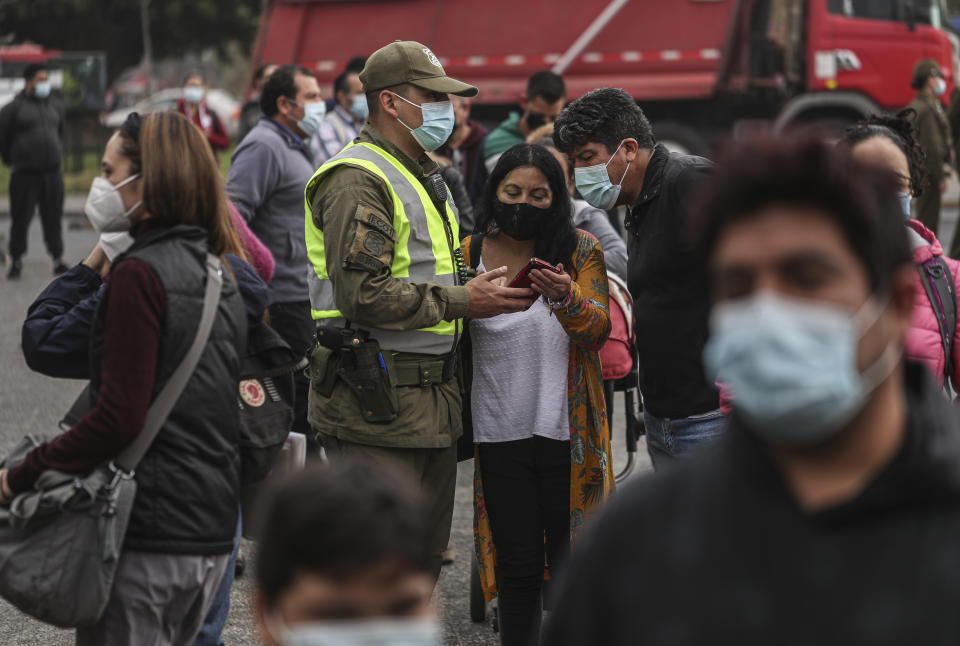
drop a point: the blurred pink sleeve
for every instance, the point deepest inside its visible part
(259, 256)
(726, 400)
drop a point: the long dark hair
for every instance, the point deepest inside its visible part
(899, 129)
(555, 243)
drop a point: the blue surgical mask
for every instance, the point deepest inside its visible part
(313, 114)
(193, 94)
(42, 89)
(360, 632)
(939, 86)
(791, 365)
(595, 186)
(905, 204)
(438, 121)
(359, 108)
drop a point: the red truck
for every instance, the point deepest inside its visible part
(698, 67)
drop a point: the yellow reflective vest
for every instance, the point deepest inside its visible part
(421, 252)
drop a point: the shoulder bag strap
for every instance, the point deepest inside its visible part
(167, 398)
(938, 283)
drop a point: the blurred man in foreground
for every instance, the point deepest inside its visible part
(344, 559)
(830, 511)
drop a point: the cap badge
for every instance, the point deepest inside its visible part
(432, 57)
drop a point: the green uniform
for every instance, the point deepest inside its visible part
(934, 134)
(383, 256)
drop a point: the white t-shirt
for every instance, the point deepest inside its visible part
(520, 364)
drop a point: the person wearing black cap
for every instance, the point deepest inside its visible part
(934, 134)
(388, 288)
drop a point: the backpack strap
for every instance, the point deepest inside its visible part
(938, 284)
(476, 248)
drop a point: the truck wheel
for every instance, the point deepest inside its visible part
(478, 604)
(680, 138)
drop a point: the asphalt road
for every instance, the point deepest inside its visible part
(30, 402)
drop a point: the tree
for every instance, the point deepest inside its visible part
(177, 27)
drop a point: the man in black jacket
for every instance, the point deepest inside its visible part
(617, 162)
(31, 131)
(830, 511)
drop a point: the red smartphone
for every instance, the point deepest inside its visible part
(522, 279)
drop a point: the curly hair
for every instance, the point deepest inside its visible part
(555, 244)
(899, 129)
(608, 116)
(806, 171)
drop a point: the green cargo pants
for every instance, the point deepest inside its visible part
(434, 470)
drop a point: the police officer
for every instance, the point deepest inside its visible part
(388, 288)
(934, 135)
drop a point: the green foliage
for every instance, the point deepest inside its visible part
(177, 27)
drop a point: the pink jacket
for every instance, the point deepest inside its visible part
(923, 341)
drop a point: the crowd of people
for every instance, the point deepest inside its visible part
(447, 288)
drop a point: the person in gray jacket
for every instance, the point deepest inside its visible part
(593, 220)
(31, 132)
(268, 172)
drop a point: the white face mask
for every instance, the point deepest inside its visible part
(361, 632)
(193, 94)
(313, 114)
(939, 86)
(104, 206)
(114, 244)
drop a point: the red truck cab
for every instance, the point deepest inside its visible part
(699, 68)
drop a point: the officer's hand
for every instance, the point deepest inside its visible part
(488, 296)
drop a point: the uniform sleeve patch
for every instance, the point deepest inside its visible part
(376, 221)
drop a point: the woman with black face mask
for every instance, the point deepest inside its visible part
(539, 419)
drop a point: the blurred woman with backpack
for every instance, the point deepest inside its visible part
(934, 339)
(538, 413)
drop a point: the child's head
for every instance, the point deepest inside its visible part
(343, 547)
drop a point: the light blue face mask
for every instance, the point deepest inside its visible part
(438, 120)
(193, 94)
(360, 632)
(905, 204)
(359, 108)
(42, 89)
(313, 114)
(791, 365)
(595, 186)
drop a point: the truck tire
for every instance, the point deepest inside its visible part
(680, 138)
(478, 604)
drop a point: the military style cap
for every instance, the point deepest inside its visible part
(406, 61)
(924, 69)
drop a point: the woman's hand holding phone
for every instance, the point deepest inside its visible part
(554, 286)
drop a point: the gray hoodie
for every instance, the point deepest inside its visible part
(595, 222)
(268, 173)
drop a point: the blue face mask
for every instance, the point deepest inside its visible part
(359, 108)
(791, 365)
(905, 204)
(438, 120)
(313, 114)
(595, 186)
(42, 89)
(193, 94)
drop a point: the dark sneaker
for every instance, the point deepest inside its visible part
(59, 267)
(16, 266)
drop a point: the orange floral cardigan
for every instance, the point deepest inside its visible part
(587, 323)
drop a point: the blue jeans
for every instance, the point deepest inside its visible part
(216, 618)
(671, 439)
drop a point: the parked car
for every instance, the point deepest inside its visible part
(226, 107)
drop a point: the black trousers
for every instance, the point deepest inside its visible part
(292, 321)
(526, 487)
(28, 190)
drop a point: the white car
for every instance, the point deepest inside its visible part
(226, 107)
